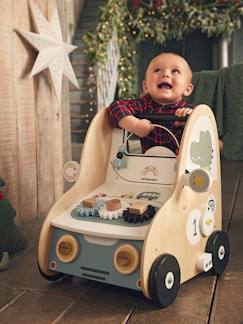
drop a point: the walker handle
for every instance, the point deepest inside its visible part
(161, 117)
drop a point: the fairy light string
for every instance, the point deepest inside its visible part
(158, 21)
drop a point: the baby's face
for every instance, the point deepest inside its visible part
(168, 79)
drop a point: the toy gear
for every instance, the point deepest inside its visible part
(146, 216)
(82, 211)
(115, 214)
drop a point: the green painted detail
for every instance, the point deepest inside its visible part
(118, 222)
(201, 152)
(95, 261)
(11, 239)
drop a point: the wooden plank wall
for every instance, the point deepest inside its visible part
(34, 127)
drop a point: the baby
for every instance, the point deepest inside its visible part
(167, 82)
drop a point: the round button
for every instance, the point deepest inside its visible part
(67, 248)
(126, 259)
(71, 171)
(200, 180)
(119, 155)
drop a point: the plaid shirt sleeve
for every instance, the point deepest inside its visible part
(120, 109)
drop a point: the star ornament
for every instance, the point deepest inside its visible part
(53, 52)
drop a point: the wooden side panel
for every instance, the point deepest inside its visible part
(93, 168)
(169, 229)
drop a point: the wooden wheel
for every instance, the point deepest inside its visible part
(218, 245)
(164, 280)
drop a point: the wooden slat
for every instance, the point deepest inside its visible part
(18, 272)
(25, 112)
(228, 301)
(6, 296)
(34, 128)
(36, 307)
(49, 136)
(8, 117)
(236, 242)
(25, 276)
(49, 148)
(191, 306)
(66, 126)
(230, 180)
(78, 131)
(102, 304)
(233, 211)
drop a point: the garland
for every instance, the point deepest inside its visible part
(169, 21)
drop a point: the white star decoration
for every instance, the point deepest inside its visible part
(53, 52)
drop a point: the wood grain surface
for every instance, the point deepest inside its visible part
(35, 139)
(25, 297)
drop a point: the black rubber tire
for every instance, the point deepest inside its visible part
(164, 272)
(56, 276)
(218, 245)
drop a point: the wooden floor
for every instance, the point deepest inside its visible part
(27, 298)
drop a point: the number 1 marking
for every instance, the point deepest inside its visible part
(192, 227)
(195, 227)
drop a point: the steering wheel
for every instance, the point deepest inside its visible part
(156, 119)
(170, 132)
(159, 150)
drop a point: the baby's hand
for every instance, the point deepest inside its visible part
(143, 127)
(182, 112)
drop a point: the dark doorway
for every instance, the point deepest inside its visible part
(197, 48)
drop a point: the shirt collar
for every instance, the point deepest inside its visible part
(178, 104)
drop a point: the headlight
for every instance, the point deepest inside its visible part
(126, 259)
(67, 248)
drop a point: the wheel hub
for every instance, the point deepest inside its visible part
(169, 280)
(221, 252)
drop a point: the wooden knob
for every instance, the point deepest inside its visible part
(89, 202)
(67, 248)
(113, 204)
(71, 171)
(138, 208)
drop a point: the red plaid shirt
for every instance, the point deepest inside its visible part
(122, 108)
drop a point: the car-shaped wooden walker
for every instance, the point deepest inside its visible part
(148, 221)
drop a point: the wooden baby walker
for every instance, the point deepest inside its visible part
(148, 221)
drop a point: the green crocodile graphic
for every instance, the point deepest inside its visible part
(201, 152)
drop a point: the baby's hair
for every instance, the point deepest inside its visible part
(171, 53)
(142, 93)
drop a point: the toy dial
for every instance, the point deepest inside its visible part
(71, 171)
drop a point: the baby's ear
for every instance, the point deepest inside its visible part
(188, 90)
(145, 88)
